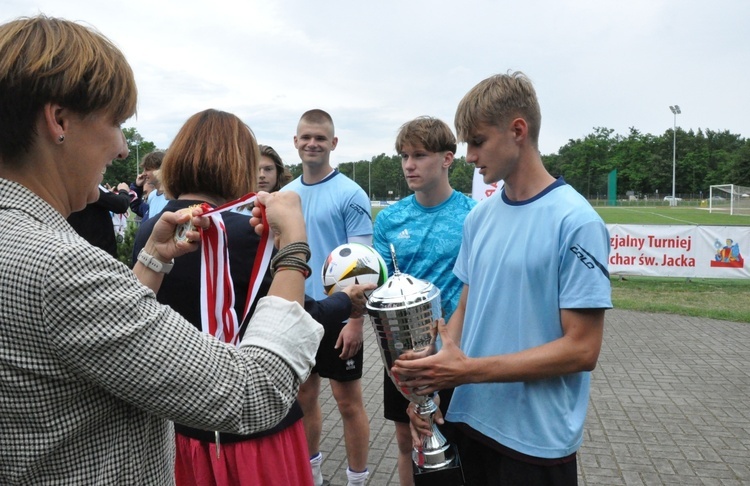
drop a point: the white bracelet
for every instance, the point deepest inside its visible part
(152, 263)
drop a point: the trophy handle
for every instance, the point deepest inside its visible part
(394, 260)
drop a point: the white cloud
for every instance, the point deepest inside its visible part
(375, 65)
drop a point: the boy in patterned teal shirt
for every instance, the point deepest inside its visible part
(425, 230)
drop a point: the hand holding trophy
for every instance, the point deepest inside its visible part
(404, 313)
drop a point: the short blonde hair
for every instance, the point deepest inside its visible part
(49, 60)
(496, 100)
(317, 117)
(214, 153)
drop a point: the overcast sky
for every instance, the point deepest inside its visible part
(375, 65)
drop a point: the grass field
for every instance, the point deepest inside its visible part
(667, 215)
(726, 299)
(658, 215)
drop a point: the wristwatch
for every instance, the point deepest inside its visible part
(152, 263)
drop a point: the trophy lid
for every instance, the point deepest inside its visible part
(401, 290)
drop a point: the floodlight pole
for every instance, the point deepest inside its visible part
(137, 139)
(675, 111)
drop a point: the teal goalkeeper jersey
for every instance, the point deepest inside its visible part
(426, 241)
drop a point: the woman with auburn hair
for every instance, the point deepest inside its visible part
(210, 156)
(88, 357)
(214, 160)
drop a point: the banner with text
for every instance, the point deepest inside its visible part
(679, 251)
(481, 190)
(666, 250)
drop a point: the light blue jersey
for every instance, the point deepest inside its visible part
(156, 203)
(523, 262)
(426, 241)
(335, 209)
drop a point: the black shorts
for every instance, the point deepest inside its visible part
(486, 465)
(327, 361)
(394, 403)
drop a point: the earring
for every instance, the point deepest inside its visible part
(61, 138)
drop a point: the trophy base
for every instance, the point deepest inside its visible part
(450, 475)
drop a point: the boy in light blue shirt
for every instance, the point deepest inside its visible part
(528, 328)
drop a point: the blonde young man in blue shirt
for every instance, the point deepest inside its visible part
(528, 327)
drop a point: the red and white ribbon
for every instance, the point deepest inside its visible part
(218, 316)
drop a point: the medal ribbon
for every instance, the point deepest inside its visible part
(218, 316)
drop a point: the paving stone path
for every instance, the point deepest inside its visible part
(670, 405)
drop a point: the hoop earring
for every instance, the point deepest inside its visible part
(61, 139)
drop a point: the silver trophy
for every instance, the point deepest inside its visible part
(404, 313)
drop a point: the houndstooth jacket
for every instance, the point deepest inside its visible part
(93, 369)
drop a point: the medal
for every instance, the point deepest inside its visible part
(181, 231)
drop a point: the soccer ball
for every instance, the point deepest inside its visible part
(353, 263)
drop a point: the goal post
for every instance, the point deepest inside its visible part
(729, 198)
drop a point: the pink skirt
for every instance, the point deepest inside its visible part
(278, 459)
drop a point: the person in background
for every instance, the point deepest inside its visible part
(272, 175)
(149, 163)
(425, 231)
(156, 198)
(87, 354)
(147, 188)
(528, 327)
(135, 201)
(213, 160)
(337, 211)
(94, 222)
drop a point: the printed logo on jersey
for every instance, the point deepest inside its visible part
(349, 364)
(588, 259)
(404, 234)
(360, 209)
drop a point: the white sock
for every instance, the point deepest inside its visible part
(315, 462)
(357, 478)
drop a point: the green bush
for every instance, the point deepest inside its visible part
(125, 247)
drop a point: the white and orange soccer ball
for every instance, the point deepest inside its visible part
(353, 263)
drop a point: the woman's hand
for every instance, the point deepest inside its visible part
(284, 216)
(162, 243)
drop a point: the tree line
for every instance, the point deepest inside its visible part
(382, 178)
(643, 163)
